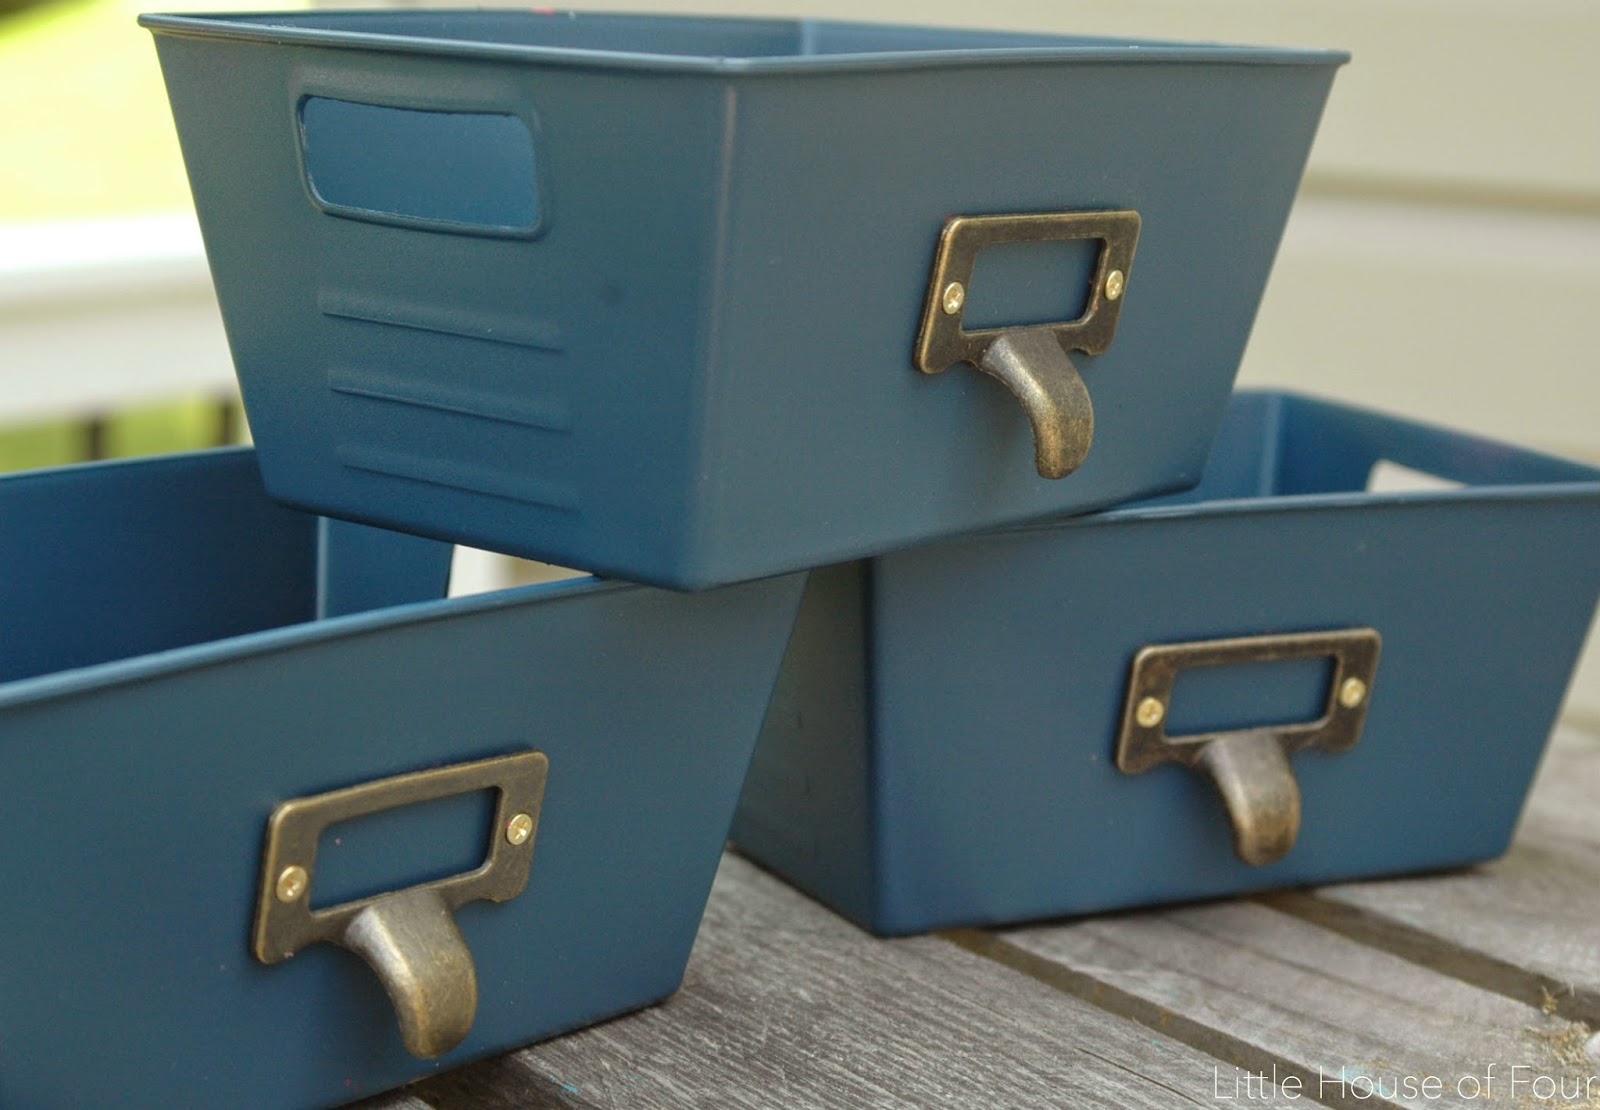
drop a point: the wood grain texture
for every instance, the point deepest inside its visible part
(787, 1005)
(1534, 911)
(1264, 989)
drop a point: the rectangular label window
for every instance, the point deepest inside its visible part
(1026, 284)
(401, 848)
(1249, 695)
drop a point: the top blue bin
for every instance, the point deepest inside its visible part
(649, 295)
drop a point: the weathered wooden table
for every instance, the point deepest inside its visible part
(1473, 988)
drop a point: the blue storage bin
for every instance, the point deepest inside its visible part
(945, 743)
(649, 295)
(177, 725)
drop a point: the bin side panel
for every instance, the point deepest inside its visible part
(806, 810)
(537, 390)
(831, 444)
(998, 707)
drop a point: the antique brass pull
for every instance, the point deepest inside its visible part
(408, 937)
(1249, 767)
(1031, 361)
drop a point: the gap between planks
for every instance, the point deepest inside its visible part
(1114, 1000)
(1439, 954)
(1544, 888)
(1274, 995)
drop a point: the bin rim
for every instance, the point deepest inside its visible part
(301, 28)
(1568, 481)
(20, 693)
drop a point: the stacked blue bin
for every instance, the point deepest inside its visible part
(962, 734)
(650, 304)
(188, 665)
(707, 304)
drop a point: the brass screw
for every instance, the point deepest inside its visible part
(1115, 282)
(292, 883)
(1352, 692)
(518, 829)
(1150, 712)
(955, 295)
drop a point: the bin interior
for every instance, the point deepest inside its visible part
(108, 561)
(1279, 446)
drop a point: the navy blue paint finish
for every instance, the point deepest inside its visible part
(167, 552)
(809, 798)
(140, 787)
(700, 370)
(361, 568)
(975, 783)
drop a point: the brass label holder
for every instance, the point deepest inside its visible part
(1249, 767)
(408, 937)
(1031, 361)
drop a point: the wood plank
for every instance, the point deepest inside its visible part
(787, 1005)
(499, 1083)
(1266, 990)
(1524, 924)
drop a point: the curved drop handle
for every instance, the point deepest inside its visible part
(1032, 361)
(1038, 372)
(412, 942)
(1250, 768)
(1252, 773)
(408, 937)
